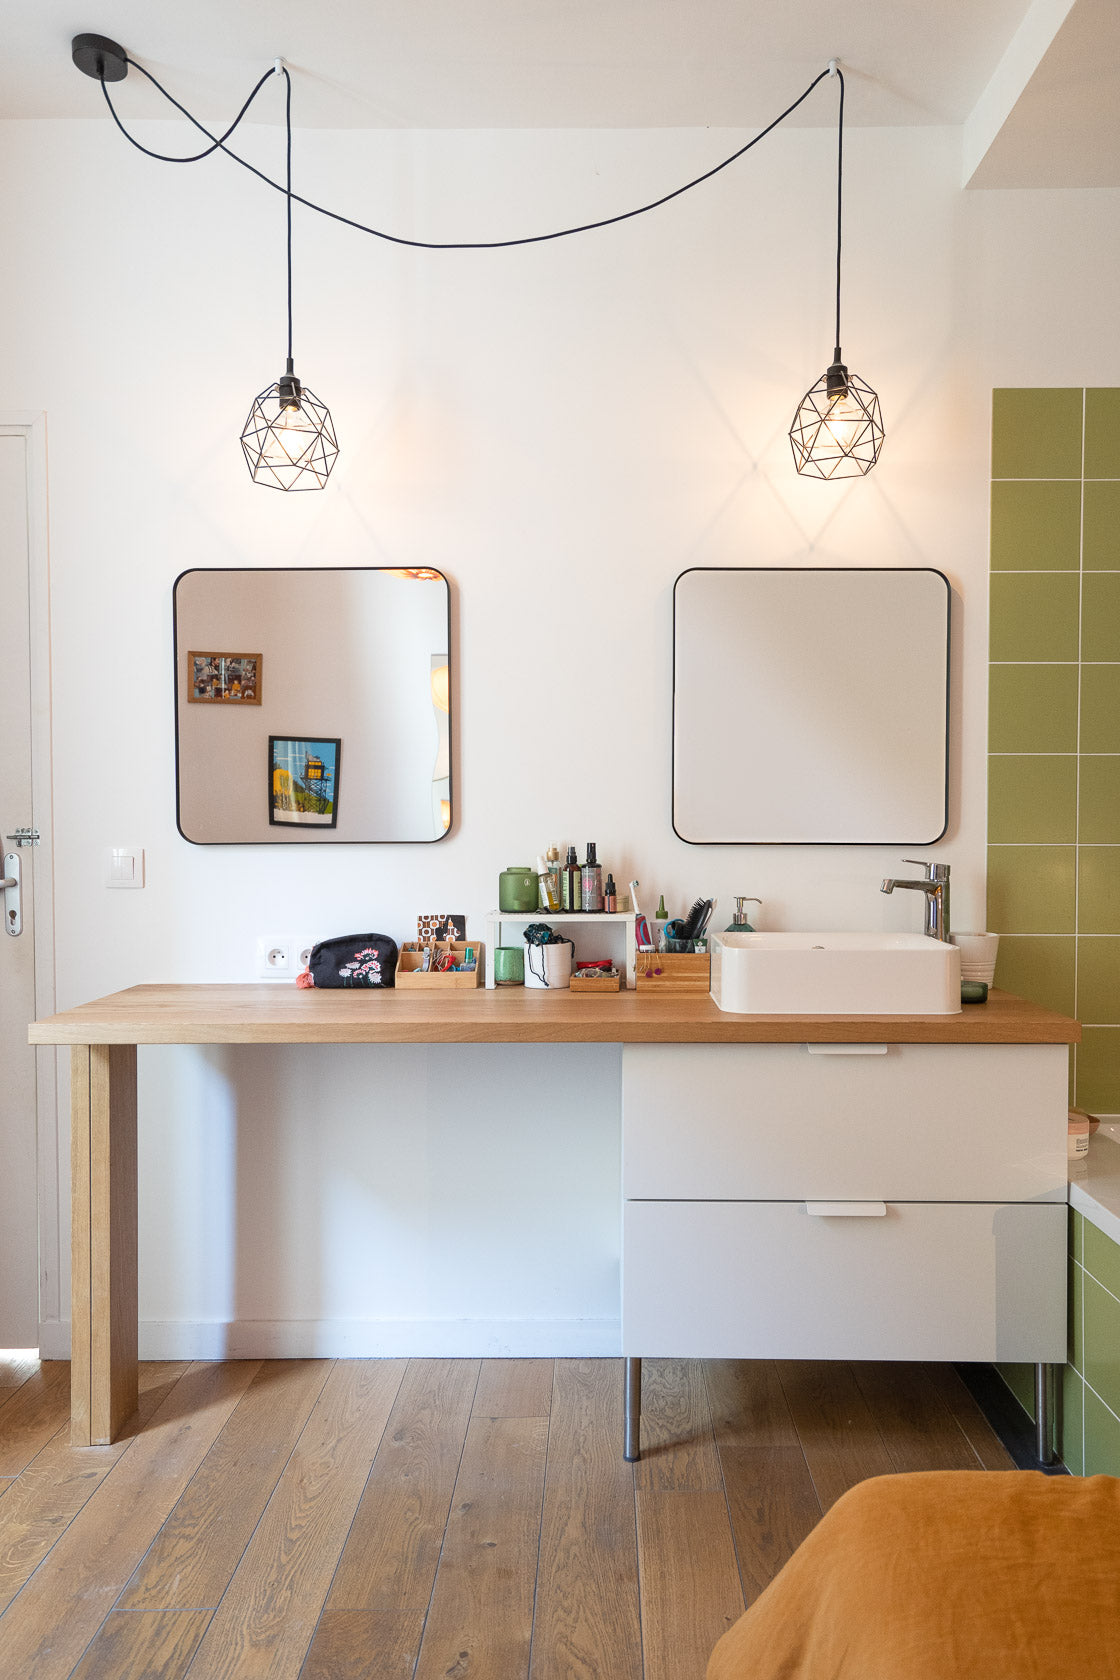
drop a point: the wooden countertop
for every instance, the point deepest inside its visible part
(282, 1014)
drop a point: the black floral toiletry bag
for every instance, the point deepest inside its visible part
(354, 959)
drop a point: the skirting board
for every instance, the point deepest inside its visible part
(348, 1338)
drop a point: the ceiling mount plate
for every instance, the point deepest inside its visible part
(97, 56)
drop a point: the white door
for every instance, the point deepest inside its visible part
(19, 1269)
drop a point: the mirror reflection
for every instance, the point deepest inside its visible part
(810, 705)
(313, 704)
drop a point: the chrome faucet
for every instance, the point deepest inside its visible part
(936, 888)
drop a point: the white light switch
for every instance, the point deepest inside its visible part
(126, 867)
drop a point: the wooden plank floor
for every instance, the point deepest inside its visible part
(432, 1518)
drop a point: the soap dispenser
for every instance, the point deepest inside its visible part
(739, 922)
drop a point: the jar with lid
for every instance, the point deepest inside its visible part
(518, 889)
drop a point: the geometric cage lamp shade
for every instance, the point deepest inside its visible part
(837, 431)
(288, 437)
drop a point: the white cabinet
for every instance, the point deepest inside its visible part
(943, 1168)
(771, 1280)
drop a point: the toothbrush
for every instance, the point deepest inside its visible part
(642, 936)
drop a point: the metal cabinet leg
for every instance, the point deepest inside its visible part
(632, 1434)
(1042, 1410)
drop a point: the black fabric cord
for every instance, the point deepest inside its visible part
(839, 203)
(195, 157)
(219, 143)
(288, 125)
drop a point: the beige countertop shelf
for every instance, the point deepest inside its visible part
(283, 1014)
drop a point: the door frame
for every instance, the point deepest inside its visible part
(52, 1149)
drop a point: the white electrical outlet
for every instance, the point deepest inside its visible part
(274, 959)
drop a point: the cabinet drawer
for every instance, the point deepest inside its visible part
(928, 1280)
(921, 1122)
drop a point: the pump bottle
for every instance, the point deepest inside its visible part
(573, 889)
(739, 922)
(591, 881)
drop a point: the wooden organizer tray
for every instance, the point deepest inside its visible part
(681, 971)
(409, 970)
(593, 981)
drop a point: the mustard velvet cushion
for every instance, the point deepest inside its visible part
(945, 1575)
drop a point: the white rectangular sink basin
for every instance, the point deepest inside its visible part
(835, 974)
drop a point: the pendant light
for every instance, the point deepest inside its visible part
(837, 431)
(288, 438)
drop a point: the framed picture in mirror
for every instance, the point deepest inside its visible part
(224, 678)
(303, 781)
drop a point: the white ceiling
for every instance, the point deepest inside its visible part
(604, 63)
(1063, 130)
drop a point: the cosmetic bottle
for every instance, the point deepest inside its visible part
(573, 885)
(548, 901)
(658, 923)
(592, 880)
(552, 857)
(610, 895)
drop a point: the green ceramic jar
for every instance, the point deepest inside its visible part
(518, 889)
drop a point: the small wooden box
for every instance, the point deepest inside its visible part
(410, 973)
(594, 981)
(673, 971)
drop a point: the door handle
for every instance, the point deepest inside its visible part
(11, 888)
(847, 1210)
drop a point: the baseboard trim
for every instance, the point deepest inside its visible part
(346, 1338)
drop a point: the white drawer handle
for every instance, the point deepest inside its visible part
(847, 1210)
(846, 1049)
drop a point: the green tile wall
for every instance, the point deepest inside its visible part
(1089, 1440)
(1054, 715)
(1054, 811)
(1087, 1420)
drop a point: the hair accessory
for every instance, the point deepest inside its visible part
(539, 933)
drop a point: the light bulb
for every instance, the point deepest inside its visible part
(843, 422)
(287, 439)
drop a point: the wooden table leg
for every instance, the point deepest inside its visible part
(103, 1302)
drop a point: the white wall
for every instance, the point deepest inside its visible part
(561, 430)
